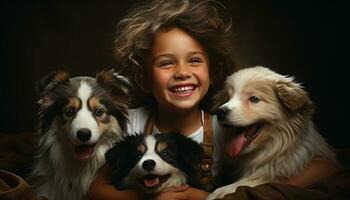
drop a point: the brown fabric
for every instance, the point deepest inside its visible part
(13, 187)
(16, 151)
(336, 187)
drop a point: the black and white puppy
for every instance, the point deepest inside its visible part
(80, 119)
(155, 163)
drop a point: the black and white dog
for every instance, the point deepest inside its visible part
(80, 119)
(155, 163)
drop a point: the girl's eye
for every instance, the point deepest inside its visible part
(165, 63)
(254, 99)
(195, 60)
(98, 112)
(69, 112)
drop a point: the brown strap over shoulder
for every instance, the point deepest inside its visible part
(207, 136)
(206, 178)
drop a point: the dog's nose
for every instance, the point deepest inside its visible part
(84, 134)
(221, 113)
(148, 165)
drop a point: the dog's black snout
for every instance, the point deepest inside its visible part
(84, 134)
(148, 165)
(221, 113)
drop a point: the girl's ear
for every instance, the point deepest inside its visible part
(143, 83)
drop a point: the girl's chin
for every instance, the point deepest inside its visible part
(182, 105)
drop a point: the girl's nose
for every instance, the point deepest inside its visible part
(182, 72)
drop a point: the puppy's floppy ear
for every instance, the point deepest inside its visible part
(191, 155)
(191, 152)
(111, 156)
(118, 85)
(50, 81)
(292, 94)
(219, 99)
(114, 158)
(118, 88)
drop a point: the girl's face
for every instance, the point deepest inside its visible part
(178, 70)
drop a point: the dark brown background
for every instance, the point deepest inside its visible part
(301, 38)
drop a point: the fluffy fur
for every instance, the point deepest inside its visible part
(155, 163)
(80, 119)
(273, 137)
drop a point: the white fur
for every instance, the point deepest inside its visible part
(84, 118)
(289, 141)
(58, 174)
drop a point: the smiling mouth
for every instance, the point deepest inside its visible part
(152, 181)
(83, 152)
(182, 91)
(244, 137)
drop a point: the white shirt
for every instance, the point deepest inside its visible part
(139, 116)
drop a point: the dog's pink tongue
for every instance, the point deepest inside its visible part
(236, 145)
(84, 152)
(151, 182)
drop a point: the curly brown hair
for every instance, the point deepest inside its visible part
(205, 20)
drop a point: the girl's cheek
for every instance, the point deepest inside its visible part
(203, 74)
(161, 77)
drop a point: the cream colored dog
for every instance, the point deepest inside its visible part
(274, 137)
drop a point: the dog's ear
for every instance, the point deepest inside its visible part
(118, 88)
(219, 99)
(112, 157)
(115, 157)
(191, 155)
(118, 85)
(191, 152)
(50, 81)
(292, 95)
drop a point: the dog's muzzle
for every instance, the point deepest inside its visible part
(84, 135)
(148, 165)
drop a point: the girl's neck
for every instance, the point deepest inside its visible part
(186, 122)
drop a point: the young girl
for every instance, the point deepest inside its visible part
(179, 54)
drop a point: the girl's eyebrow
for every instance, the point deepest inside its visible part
(169, 55)
(197, 52)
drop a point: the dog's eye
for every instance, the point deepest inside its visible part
(138, 156)
(98, 112)
(69, 112)
(254, 99)
(164, 154)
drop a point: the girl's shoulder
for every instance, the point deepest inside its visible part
(140, 112)
(137, 119)
(218, 130)
(215, 124)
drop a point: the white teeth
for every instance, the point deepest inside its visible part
(183, 89)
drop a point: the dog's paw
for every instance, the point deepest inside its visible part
(221, 192)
